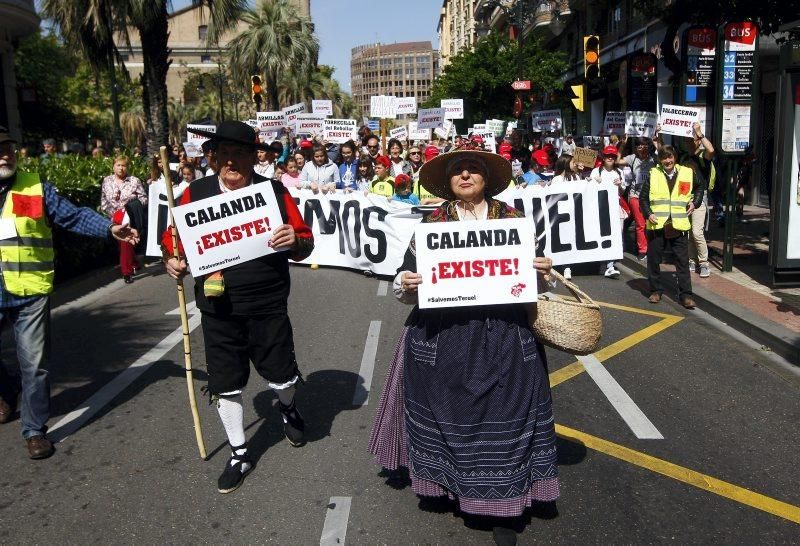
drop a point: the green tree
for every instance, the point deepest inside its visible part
(92, 26)
(768, 14)
(482, 76)
(276, 44)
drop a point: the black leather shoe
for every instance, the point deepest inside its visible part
(127, 278)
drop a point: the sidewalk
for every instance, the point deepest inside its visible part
(743, 297)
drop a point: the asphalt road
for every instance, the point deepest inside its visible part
(681, 433)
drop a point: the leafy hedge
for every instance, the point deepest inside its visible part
(79, 179)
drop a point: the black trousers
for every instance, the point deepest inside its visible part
(656, 245)
(233, 341)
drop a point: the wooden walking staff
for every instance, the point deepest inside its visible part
(187, 346)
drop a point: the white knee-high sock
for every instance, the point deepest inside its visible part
(231, 412)
(286, 396)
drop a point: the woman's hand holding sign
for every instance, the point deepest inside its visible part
(543, 266)
(409, 282)
(283, 238)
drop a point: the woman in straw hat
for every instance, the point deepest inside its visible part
(466, 406)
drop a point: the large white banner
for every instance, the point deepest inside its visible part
(574, 222)
(229, 228)
(157, 217)
(489, 262)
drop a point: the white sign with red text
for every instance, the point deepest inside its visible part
(405, 105)
(309, 124)
(339, 131)
(194, 137)
(400, 133)
(269, 121)
(290, 113)
(453, 108)
(415, 133)
(678, 120)
(322, 107)
(486, 262)
(547, 121)
(228, 229)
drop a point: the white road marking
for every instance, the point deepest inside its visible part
(88, 299)
(75, 419)
(361, 396)
(624, 404)
(383, 288)
(334, 530)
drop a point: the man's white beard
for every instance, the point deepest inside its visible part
(6, 172)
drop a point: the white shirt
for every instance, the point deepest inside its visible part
(267, 170)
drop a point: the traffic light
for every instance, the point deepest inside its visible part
(579, 92)
(256, 89)
(591, 57)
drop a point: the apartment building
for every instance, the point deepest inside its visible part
(456, 28)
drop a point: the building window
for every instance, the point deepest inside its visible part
(202, 32)
(205, 58)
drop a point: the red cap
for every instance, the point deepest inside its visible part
(401, 180)
(431, 152)
(504, 147)
(506, 156)
(548, 147)
(384, 160)
(610, 150)
(305, 144)
(541, 157)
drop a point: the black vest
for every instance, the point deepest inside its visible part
(258, 287)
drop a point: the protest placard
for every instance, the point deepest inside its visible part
(614, 123)
(290, 113)
(382, 106)
(269, 121)
(400, 133)
(585, 156)
(453, 108)
(405, 105)
(547, 121)
(638, 123)
(193, 149)
(447, 129)
(678, 120)
(229, 228)
(252, 123)
(198, 139)
(478, 127)
(496, 126)
(489, 141)
(430, 118)
(339, 131)
(415, 133)
(309, 124)
(510, 127)
(486, 262)
(322, 107)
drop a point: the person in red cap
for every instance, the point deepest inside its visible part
(403, 190)
(608, 172)
(540, 162)
(383, 183)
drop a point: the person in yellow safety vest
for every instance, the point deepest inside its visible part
(701, 152)
(667, 200)
(382, 184)
(29, 207)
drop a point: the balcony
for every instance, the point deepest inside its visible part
(18, 18)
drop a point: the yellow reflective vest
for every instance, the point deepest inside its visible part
(383, 187)
(422, 193)
(26, 260)
(666, 205)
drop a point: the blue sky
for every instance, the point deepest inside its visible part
(344, 24)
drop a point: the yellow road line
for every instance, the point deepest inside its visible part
(637, 310)
(691, 477)
(576, 368)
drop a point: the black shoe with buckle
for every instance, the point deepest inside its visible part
(293, 425)
(237, 467)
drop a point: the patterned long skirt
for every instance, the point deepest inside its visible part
(467, 409)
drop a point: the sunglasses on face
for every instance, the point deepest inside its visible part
(414, 153)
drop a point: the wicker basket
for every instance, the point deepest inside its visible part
(571, 326)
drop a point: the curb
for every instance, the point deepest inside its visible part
(772, 336)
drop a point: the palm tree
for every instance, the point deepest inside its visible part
(93, 24)
(278, 42)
